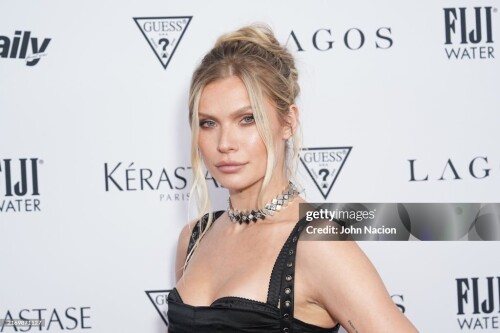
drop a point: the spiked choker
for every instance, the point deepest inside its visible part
(275, 205)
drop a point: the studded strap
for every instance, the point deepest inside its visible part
(198, 230)
(281, 286)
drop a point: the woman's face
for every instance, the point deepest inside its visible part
(230, 144)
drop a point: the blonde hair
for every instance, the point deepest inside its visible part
(267, 70)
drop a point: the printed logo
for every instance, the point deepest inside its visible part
(352, 39)
(324, 165)
(477, 168)
(171, 184)
(163, 34)
(20, 185)
(478, 302)
(469, 33)
(159, 300)
(23, 46)
(51, 319)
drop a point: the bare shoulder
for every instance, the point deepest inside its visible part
(182, 246)
(333, 261)
(348, 286)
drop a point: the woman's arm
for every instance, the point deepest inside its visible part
(182, 245)
(350, 289)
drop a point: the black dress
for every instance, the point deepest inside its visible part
(240, 315)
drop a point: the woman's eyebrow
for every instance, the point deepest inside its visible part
(233, 114)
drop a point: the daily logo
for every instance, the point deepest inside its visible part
(469, 33)
(19, 184)
(159, 300)
(23, 46)
(163, 34)
(324, 165)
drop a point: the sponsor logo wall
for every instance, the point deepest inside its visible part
(399, 103)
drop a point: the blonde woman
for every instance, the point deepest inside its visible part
(245, 270)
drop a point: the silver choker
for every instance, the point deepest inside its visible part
(275, 205)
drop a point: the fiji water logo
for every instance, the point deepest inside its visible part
(469, 33)
(19, 184)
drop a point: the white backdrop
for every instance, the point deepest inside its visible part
(86, 99)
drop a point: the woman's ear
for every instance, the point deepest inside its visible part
(292, 121)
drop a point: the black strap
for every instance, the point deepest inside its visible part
(281, 286)
(199, 228)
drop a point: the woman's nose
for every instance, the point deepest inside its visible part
(227, 140)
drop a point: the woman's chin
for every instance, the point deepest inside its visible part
(235, 185)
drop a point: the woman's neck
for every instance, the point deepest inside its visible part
(247, 199)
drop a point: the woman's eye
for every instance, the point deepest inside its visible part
(248, 120)
(207, 123)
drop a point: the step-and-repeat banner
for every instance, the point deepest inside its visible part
(400, 102)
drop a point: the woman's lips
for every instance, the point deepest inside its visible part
(229, 167)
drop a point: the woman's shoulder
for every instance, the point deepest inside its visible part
(198, 225)
(188, 236)
(192, 230)
(182, 247)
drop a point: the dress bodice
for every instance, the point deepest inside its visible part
(240, 315)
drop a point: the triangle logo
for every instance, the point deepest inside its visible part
(163, 34)
(159, 300)
(324, 165)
